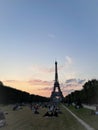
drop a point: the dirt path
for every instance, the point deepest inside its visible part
(81, 121)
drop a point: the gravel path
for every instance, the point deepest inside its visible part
(81, 121)
(89, 107)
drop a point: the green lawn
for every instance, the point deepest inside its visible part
(85, 115)
(24, 119)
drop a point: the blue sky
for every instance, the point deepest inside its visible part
(35, 33)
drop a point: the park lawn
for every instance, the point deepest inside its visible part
(24, 119)
(85, 115)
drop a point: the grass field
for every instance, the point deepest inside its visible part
(24, 119)
(85, 114)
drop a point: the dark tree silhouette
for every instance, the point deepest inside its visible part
(10, 95)
(88, 95)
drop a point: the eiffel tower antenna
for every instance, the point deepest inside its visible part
(56, 73)
(56, 96)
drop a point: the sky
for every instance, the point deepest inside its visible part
(36, 33)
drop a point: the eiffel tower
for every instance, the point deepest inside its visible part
(56, 96)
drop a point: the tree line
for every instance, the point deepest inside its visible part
(10, 95)
(88, 95)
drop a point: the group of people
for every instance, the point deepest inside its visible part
(35, 108)
(52, 109)
(2, 119)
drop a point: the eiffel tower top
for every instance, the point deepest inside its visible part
(56, 73)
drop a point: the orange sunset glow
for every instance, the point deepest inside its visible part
(37, 87)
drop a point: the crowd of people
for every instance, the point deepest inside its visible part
(52, 109)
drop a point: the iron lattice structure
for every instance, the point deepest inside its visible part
(56, 95)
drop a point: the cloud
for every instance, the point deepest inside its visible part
(81, 81)
(11, 81)
(39, 68)
(41, 72)
(75, 81)
(71, 81)
(46, 88)
(71, 85)
(40, 82)
(68, 60)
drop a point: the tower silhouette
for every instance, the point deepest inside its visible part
(56, 95)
